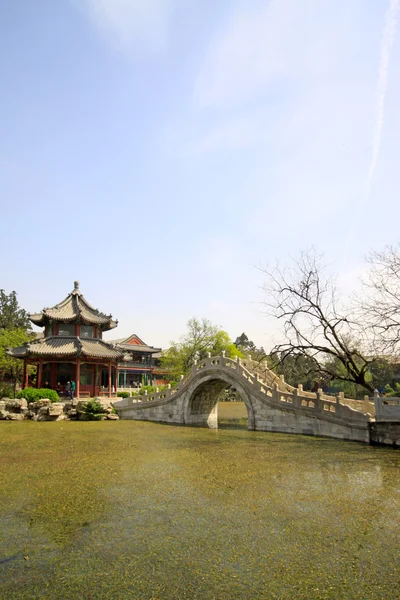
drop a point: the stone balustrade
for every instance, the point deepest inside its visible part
(267, 390)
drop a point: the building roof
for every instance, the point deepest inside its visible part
(74, 309)
(58, 346)
(133, 343)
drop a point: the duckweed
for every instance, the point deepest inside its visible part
(154, 512)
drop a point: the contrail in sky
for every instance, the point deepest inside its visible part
(388, 37)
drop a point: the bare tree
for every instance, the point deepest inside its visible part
(380, 305)
(305, 300)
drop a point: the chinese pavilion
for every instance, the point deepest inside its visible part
(72, 348)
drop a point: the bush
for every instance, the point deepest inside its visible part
(150, 389)
(94, 410)
(33, 394)
(389, 391)
(123, 394)
(6, 391)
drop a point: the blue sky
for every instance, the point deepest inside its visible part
(160, 150)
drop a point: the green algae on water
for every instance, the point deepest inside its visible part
(150, 511)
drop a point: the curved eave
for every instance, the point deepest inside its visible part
(66, 347)
(43, 319)
(19, 352)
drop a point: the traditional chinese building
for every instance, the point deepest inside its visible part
(72, 348)
(139, 363)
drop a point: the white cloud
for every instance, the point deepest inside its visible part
(132, 25)
(388, 38)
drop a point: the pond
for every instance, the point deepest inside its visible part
(156, 512)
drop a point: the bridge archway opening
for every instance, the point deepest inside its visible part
(204, 403)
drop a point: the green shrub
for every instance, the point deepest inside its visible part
(6, 391)
(123, 394)
(94, 410)
(392, 392)
(33, 394)
(150, 389)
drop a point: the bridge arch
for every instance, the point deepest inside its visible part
(203, 393)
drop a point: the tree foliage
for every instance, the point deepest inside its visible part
(12, 316)
(15, 330)
(246, 346)
(297, 368)
(200, 338)
(11, 368)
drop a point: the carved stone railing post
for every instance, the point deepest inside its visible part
(238, 364)
(223, 353)
(366, 404)
(377, 402)
(297, 396)
(319, 405)
(340, 398)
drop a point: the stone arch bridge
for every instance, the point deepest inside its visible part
(272, 405)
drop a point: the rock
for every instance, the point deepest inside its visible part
(84, 417)
(56, 409)
(30, 414)
(44, 402)
(81, 405)
(23, 402)
(44, 411)
(42, 417)
(2, 405)
(112, 417)
(72, 413)
(15, 405)
(15, 417)
(62, 418)
(3, 415)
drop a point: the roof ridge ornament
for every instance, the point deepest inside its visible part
(76, 285)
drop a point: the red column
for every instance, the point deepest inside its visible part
(24, 375)
(109, 379)
(40, 373)
(78, 376)
(27, 376)
(53, 382)
(94, 380)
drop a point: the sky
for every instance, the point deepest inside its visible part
(162, 151)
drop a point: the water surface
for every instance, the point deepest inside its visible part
(149, 511)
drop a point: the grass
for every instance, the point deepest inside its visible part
(148, 511)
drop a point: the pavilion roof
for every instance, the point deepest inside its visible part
(74, 309)
(58, 346)
(134, 343)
